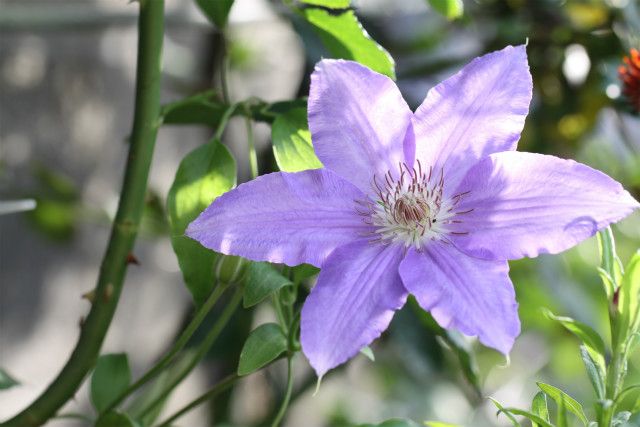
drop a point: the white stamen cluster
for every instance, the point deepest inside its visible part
(410, 208)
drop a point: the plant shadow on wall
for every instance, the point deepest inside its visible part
(362, 206)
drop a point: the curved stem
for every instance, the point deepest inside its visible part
(287, 396)
(175, 349)
(124, 229)
(203, 349)
(211, 393)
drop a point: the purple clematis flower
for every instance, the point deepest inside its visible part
(431, 203)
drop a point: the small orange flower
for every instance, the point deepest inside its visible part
(630, 77)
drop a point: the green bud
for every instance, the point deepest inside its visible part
(229, 269)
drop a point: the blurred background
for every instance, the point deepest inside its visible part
(67, 73)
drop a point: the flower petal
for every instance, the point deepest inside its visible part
(289, 218)
(353, 302)
(525, 204)
(358, 121)
(478, 111)
(471, 295)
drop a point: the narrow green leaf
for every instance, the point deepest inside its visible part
(609, 259)
(261, 280)
(539, 407)
(6, 380)
(263, 345)
(629, 295)
(591, 339)
(501, 410)
(115, 419)
(594, 372)
(344, 37)
(110, 378)
(204, 174)
(563, 399)
(528, 415)
(450, 9)
(292, 142)
(464, 352)
(203, 108)
(331, 4)
(368, 353)
(561, 415)
(217, 11)
(394, 422)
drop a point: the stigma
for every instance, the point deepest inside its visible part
(409, 207)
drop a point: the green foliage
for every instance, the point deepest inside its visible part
(591, 339)
(343, 36)
(261, 280)
(450, 9)
(263, 345)
(539, 407)
(292, 142)
(563, 400)
(229, 269)
(204, 174)
(110, 378)
(595, 373)
(331, 4)
(629, 294)
(302, 272)
(202, 108)
(502, 410)
(438, 424)
(6, 380)
(217, 11)
(611, 268)
(115, 419)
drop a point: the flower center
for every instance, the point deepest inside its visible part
(410, 208)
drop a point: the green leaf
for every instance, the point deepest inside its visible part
(528, 415)
(501, 410)
(563, 399)
(591, 339)
(263, 345)
(261, 280)
(110, 378)
(292, 142)
(217, 11)
(115, 419)
(450, 9)
(368, 353)
(610, 262)
(594, 372)
(629, 294)
(203, 108)
(331, 4)
(394, 422)
(6, 380)
(204, 174)
(464, 352)
(344, 37)
(302, 272)
(539, 407)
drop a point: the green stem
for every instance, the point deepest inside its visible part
(203, 349)
(253, 156)
(287, 396)
(210, 394)
(175, 349)
(124, 229)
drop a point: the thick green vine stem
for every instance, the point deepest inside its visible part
(124, 229)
